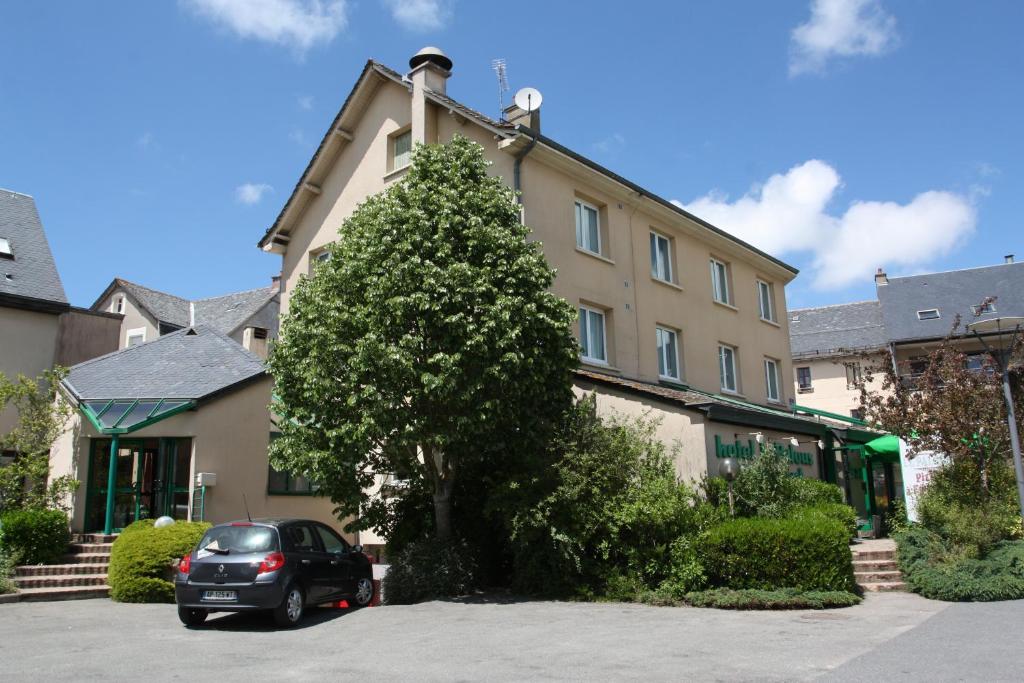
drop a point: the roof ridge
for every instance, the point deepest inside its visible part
(222, 296)
(955, 270)
(23, 194)
(149, 289)
(818, 308)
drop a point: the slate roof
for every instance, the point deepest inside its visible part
(187, 364)
(952, 293)
(227, 312)
(32, 273)
(833, 330)
(163, 306)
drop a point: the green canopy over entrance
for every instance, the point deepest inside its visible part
(884, 445)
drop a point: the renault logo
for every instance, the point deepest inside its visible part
(221, 569)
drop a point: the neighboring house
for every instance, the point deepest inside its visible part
(249, 317)
(833, 347)
(38, 327)
(185, 419)
(665, 299)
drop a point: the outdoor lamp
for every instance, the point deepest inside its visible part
(794, 442)
(1001, 355)
(729, 469)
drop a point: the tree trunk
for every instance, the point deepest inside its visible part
(443, 509)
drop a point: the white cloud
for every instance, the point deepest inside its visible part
(420, 15)
(299, 24)
(788, 214)
(145, 141)
(612, 143)
(840, 28)
(305, 102)
(251, 193)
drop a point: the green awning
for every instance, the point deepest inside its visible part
(884, 448)
(123, 416)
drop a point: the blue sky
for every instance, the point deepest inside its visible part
(160, 139)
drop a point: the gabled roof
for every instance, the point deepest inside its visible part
(376, 72)
(191, 364)
(226, 313)
(952, 293)
(162, 306)
(836, 330)
(32, 273)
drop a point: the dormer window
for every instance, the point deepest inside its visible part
(5, 248)
(928, 314)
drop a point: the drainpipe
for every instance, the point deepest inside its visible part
(108, 524)
(516, 172)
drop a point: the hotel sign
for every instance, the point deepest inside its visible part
(746, 450)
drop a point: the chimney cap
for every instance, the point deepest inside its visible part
(433, 55)
(1008, 258)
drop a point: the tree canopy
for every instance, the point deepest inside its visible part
(427, 343)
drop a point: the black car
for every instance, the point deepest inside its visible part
(281, 565)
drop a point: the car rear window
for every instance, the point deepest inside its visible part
(240, 539)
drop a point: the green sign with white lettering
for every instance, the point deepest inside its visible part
(746, 451)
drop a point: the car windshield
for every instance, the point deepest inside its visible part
(239, 539)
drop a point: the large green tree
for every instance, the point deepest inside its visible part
(427, 346)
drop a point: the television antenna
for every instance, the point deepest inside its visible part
(499, 70)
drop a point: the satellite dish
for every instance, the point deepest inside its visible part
(528, 99)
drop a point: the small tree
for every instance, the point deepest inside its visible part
(426, 343)
(24, 483)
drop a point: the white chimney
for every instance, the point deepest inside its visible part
(430, 71)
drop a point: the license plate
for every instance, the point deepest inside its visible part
(220, 595)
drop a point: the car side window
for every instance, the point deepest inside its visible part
(301, 537)
(333, 543)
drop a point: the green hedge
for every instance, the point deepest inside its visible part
(806, 553)
(837, 512)
(142, 559)
(935, 571)
(427, 570)
(782, 598)
(816, 492)
(34, 536)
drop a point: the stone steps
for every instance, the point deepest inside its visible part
(875, 577)
(86, 558)
(93, 538)
(874, 565)
(90, 548)
(875, 568)
(61, 581)
(884, 586)
(61, 569)
(63, 593)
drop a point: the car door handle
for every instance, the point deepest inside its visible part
(335, 562)
(305, 562)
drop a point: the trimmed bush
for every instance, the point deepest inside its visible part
(807, 553)
(782, 598)
(837, 512)
(35, 536)
(143, 557)
(816, 492)
(937, 571)
(427, 570)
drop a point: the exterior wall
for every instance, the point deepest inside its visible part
(28, 345)
(682, 431)
(230, 437)
(85, 335)
(135, 317)
(829, 390)
(621, 284)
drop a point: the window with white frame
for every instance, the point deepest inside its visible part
(592, 335)
(727, 368)
(661, 257)
(588, 227)
(119, 305)
(803, 379)
(401, 150)
(5, 248)
(135, 336)
(771, 380)
(720, 282)
(928, 314)
(668, 352)
(766, 300)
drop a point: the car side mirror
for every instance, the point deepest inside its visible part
(357, 548)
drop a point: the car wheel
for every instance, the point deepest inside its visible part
(289, 612)
(192, 616)
(364, 592)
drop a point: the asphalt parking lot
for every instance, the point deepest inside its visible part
(892, 636)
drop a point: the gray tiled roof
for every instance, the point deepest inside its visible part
(163, 306)
(32, 272)
(830, 330)
(952, 293)
(176, 365)
(226, 313)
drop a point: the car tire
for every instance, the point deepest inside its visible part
(290, 611)
(192, 616)
(364, 592)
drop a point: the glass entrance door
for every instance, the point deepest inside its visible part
(151, 480)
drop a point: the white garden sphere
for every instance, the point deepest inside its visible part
(161, 522)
